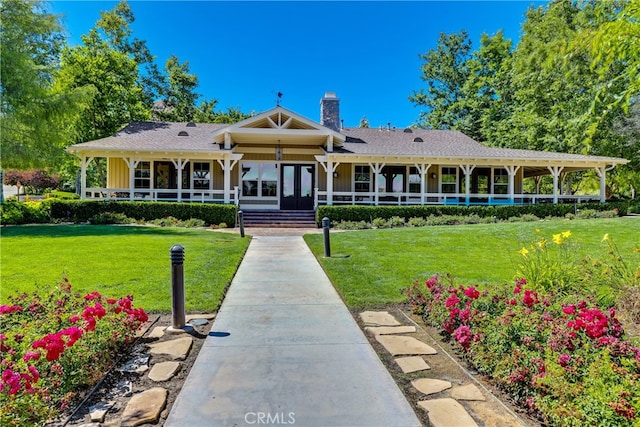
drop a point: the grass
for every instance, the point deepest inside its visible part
(118, 261)
(381, 262)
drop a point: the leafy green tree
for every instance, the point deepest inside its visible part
(36, 118)
(445, 72)
(206, 113)
(364, 123)
(179, 100)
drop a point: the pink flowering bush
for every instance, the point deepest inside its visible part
(567, 362)
(56, 346)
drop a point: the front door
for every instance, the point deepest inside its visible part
(297, 183)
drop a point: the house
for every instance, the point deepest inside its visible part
(282, 161)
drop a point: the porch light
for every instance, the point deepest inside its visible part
(433, 175)
(278, 153)
(335, 174)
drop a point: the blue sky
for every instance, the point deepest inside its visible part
(244, 53)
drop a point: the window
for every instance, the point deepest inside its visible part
(415, 179)
(260, 179)
(449, 177)
(269, 178)
(143, 175)
(391, 179)
(500, 181)
(201, 176)
(362, 179)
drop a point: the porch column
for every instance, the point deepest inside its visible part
(467, 169)
(227, 164)
(422, 170)
(133, 164)
(555, 171)
(602, 173)
(179, 165)
(83, 175)
(329, 170)
(376, 169)
(512, 170)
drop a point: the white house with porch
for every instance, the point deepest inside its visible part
(279, 160)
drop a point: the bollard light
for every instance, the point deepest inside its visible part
(241, 221)
(177, 287)
(327, 243)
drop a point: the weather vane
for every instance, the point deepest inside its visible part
(279, 99)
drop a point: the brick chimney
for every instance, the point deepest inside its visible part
(330, 111)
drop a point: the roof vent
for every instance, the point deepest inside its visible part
(407, 130)
(183, 133)
(191, 125)
(418, 139)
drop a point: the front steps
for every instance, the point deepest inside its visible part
(279, 219)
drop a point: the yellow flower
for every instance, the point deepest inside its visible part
(542, 243)
(566, 234)
(523, 251)
(557, 239)
(605, 237)
(537, 230)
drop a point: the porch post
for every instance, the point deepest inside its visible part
(133, 164)
(377, 169)
(555, 171)
(602, 173)
(512, 170)
(329, 170)
(422, 170)
(83, 175)
(467, 169)
(179, 164)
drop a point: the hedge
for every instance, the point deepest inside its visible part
(369, 213)
(53, 210)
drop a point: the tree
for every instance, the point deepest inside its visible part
(445, 72)
(364, 123)
(36, 118)
(179, 100)
(205, 113)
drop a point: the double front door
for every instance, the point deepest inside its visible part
(297, 183)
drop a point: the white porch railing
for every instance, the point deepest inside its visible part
(400, 199)
(160, 195)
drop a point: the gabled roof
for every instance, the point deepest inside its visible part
(278, 124)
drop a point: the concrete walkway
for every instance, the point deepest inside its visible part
(284, 349)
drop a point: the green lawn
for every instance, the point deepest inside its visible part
(380, 262)
(118, 261)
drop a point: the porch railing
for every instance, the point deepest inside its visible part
(161, 195)
(402, 199)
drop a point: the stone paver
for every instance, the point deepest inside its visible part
(144, 407)
(390, 330)
(412, 364)
(430, 385)
(157, 332)
(163, 371)
(190, 317)
(401, 345)
(378, 318)
(177, 349)
(467, 392)
(447, 412)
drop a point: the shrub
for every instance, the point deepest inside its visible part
(396, 221)
(564, 360)
(82, 210)
(380, 223)
(111, 218)
(586, 213)
(351, 225)
(28, 212)
(417, 222)
(56, 345)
